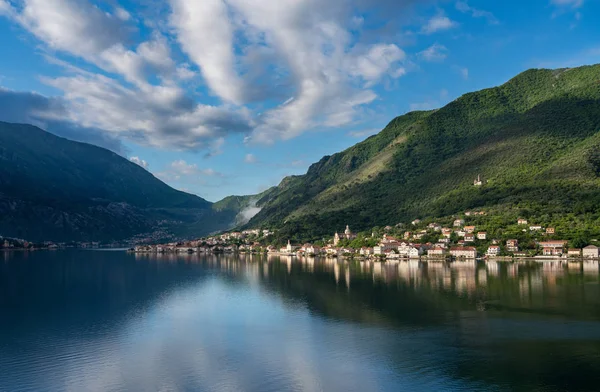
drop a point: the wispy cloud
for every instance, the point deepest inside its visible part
(188, 173)
(464, 7)
(438, 23)
(435, 52)
(313, 65)
(363, 133)
(250, 158)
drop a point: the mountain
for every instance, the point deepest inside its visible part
(52, 188)
(535, 142)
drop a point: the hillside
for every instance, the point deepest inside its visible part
(534, 140)
(52, 188)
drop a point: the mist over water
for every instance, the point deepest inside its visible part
(98, 321)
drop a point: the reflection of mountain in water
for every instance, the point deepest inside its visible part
(527, 325)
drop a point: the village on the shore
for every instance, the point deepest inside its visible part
(431, 241)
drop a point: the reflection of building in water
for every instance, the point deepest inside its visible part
(512, 270)
(524, 291)
(552, 269)
(482, 277)
(574, 267)
(336, 273)
(590, 267)
(493, 268)
(377, 270)
(347, 276)
(465, 281)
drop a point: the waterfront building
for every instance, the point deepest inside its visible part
(553, 248)
(591, 252)
(464, 252)
(493, 250)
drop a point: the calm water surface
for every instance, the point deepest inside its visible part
(112, 321)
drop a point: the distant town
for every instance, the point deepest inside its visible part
(417, 240)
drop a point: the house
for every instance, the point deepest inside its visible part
(408, 251)
(468, 213)
(550, 230)
(469, 238)
(493, 250)
(287, 250)
(436, 252)
(572, 252)
(461, 233)
(434, 227)
(482, 235)
(535, 228)
(416, 222)
(591, 252)
(347, 251)
(553, 248)
(332, 251)
(444, 240)
(478, 181)
(522, 221)
(310, 249)
(512, 245)
(464, 252)
(469, 229)
(447, 233)
(364, 251)
(459, 222)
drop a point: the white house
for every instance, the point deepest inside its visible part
(459, 222)
(522, 221)
(366, 251)
(535, 228)
(436, 252)
(469, 238)
(464, 252)
(493, 250)
(591, 252)
(482, 235)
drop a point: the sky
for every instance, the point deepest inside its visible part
(227, 97)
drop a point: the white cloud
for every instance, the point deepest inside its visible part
(307, 46)
(435, 52)
(250, 158)
(206, 34)
(438, 23)
(427, 105)
(71, 26)
(122, 14)
(464, 7)
(182, 172)
(308, 63)
(464, 72)
(568, 3)
(363, 133)
(140, 162)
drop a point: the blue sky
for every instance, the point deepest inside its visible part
(221, 97)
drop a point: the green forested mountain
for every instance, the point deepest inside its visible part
(535, 141)
(56, 189)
